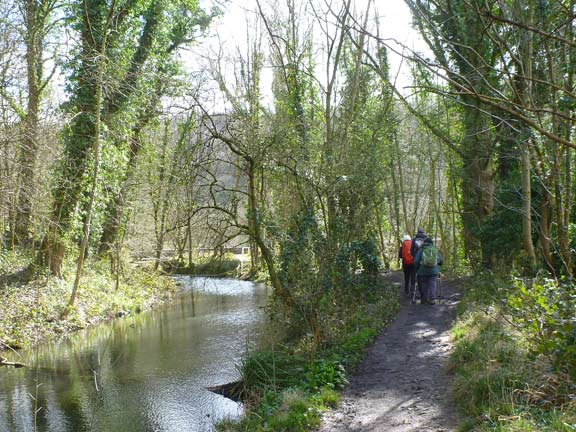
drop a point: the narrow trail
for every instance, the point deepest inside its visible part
(402, 384)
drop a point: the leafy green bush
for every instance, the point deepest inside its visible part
(545, 311)
(505, 337)
(360, 257)
(324, 373)
(542, 309)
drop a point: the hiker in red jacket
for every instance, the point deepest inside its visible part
(407, 265)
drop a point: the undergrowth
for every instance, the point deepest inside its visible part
(31, 310)
(504, 380)
(288, 386)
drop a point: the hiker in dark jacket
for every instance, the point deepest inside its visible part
(427, 262)
(417, 243)
(408, 268)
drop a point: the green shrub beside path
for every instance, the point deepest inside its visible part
(504, 380)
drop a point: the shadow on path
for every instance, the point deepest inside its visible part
(402, 384)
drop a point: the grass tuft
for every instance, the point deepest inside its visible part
(500, 385)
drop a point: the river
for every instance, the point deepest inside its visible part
(147, 372)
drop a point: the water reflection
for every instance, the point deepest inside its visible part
(142, 373)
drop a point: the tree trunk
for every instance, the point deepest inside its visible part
(161, 200)
(256, 234)
(159, 248)
(117, 206)
(396, 195)
(478, 185)
(379, 223)
(35, 29)
(545, 235)
(78, 142)
(525, 78)
(410, 228)
(96, 150)
(527, 204)
(189, 238)
(455, 208)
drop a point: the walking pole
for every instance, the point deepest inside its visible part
(439, 287)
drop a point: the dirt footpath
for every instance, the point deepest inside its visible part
(402, 384)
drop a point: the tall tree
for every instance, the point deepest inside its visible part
(457, 39)
(37, 20)
(95, 150)
(157, 66)
(241, 131)
(503, 61)
(159, 27)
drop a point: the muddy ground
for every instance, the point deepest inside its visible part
(402, 384)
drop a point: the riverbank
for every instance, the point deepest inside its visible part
(31, 310)
(288, 386)
(144, 372)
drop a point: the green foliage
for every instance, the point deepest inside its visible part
(485, 288)
(297, 413)
(544, 310)
(135, 46)
(303, 242)
(271, 370)
(294, 411)
(501, 234)
(503, 381)
(225, 265)
(358, 256)
(541, 309)
(325, 373)
(328, 178)
(324, 288)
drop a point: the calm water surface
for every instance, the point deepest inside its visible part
(141, 373)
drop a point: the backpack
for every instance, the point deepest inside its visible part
(406, 255)
(429, 256)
